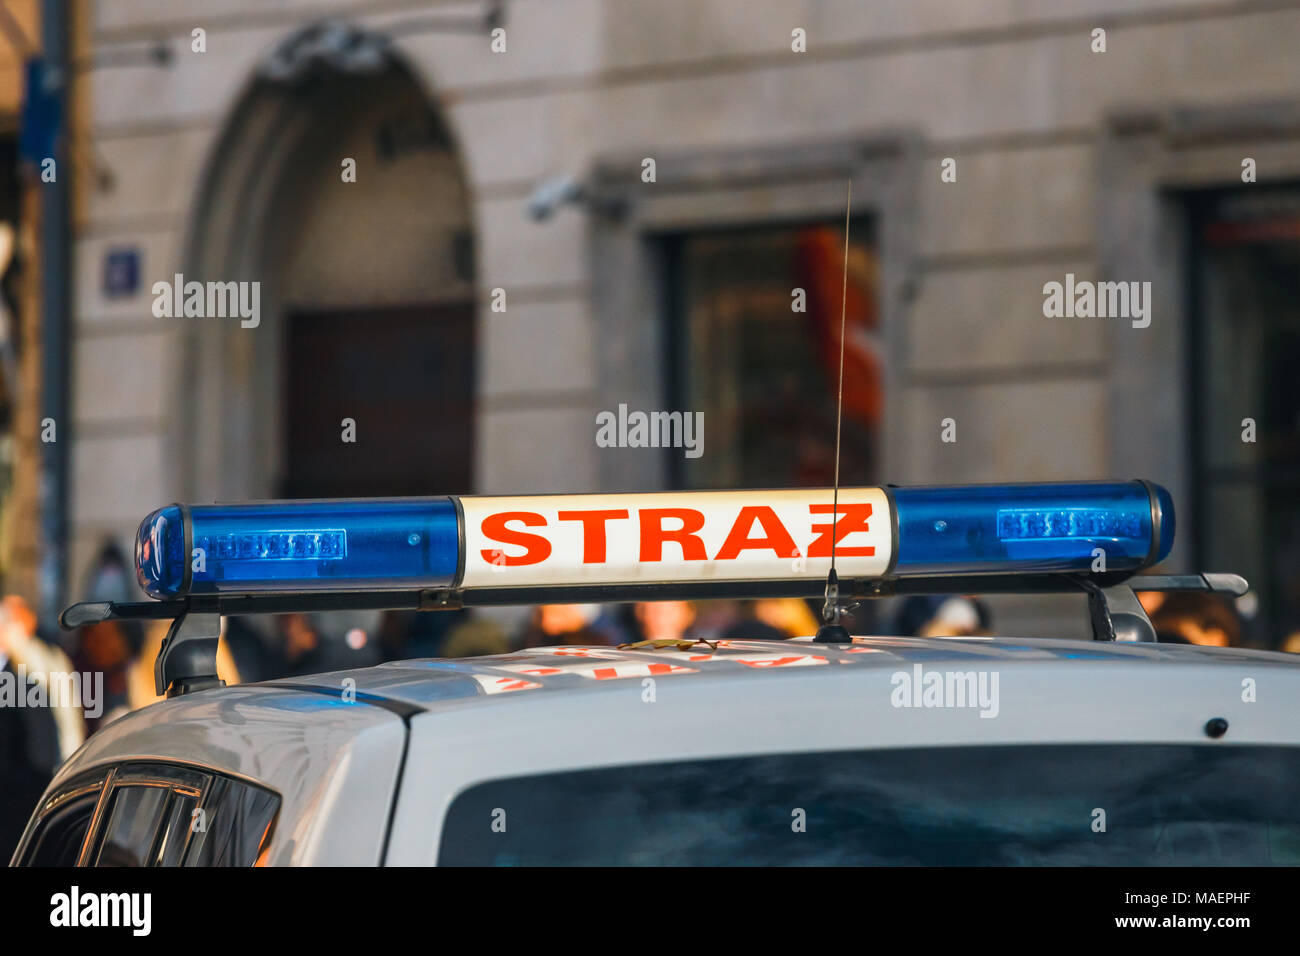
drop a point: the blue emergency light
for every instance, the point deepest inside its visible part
(391, 544)
(1032, 528)
(632, 539)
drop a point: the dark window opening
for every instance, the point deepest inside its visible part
(134, 814)
(754, 344)
(970, 806)
(239, 824)
(1244, 345)
(404, 377)
(61, 834)
(154, 815)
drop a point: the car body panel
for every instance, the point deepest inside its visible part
(1050, 692)
(334, 764)
(337, 763)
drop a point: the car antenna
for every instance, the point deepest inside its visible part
(831, 630)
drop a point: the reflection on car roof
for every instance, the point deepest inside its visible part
(574, 668)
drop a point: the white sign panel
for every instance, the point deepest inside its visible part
(537, 540)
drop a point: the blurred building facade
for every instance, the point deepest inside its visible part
(471, 328)
(19, 309)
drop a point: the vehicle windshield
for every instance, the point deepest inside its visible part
(1112, 805)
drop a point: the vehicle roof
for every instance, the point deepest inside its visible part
(307, 708)
(549, 708)
(573, 669)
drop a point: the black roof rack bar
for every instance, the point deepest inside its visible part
(1229, 585)
(93, 612)
(187, 660)
(79, 615)
(1118, 615)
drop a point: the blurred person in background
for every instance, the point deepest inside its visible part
(1197, 618)
(551, 624)
(29, 649)
(404, 635)
(748, 626)
(317, 643)
(939, 615)
(714, 617)
(663, 621)
(958, 617)
(108, 648)
(769, 619)
(1242, 610)
(617, 622)
(791, 616)
(25, 648)
(475, 635)
(1151, 601)
(110, 577)
(249, 642)
(29, 741)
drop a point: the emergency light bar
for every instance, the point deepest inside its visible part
(206, 561)
(683, 541)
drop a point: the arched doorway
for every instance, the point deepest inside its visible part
(358, 378)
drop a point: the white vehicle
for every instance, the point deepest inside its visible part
(828, 749)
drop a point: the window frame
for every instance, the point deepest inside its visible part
(130, 775)
(1208, 478)
(677, 354)
(88, 796)
(1149, 159)
(782, 770)
(181, 780)
(716, 189)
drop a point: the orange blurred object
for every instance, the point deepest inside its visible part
(820, 255)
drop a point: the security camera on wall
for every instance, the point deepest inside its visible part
(552, 193)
